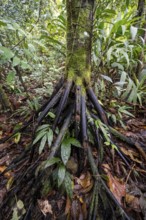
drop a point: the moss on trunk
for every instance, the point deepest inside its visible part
(79, 40)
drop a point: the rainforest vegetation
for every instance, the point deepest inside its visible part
(72, 109)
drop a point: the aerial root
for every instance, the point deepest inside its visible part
(94, 202)
(77, 111)
(55, 147)
(80, 113)
(84, 120)
(98, 178)
(62, 103)
(97, 106)
(50, 105)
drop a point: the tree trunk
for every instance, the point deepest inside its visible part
(79, 40)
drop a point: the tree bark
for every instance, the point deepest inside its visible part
(79, 40)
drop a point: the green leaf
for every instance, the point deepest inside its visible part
(42, 144)
(3, 22)
(74, 142)
(16, 61)
(68, 185)
(50, 137)
(17, 137)
(107, 78)
(133, 31)
(114, 147)
(25, 65)
(6, 53)
(20, 204)
(123, 29)
(10, 78)
(65, 151)
(128, 89)
(15, 214)
(51, 114)
(123, 76)
(39, 136)
(10, 27)
(51, 162)
(127, 113)
(42, 127)
(61, 174)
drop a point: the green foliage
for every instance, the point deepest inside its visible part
(18, 211)
(116, 50)
(61, 174)
(44, 135)
(66, 148)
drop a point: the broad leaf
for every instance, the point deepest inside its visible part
(50, 137)
(42, 144)
(61, 174)
(6, 53)
(133, 31)
(16, 61)
(51, 162)
(107, 78)
(74, 142)
(42, 127)
(68, 185)
(65, 151)
(39, 136)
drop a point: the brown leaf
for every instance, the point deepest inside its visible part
(116, 187)
(72, 165)
(84, 180)
(68, 205)
(7, 174)
(132, 154)
(45, 207)
(132, 202)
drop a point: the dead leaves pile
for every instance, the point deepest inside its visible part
(129, 196)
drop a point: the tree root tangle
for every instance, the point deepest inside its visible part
(75, 111)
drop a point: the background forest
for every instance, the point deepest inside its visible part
(33, 48)
(32, 60)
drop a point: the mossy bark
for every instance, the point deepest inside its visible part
(79, 40)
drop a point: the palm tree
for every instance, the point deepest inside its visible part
(77, 110)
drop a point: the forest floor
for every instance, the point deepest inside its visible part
(128, 184)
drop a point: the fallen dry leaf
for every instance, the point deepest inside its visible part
(132, 154)
(84, 180)
(68, 205)
(7, 174)
(45, 207)
(116, 187)
(72, 165)
(133, 202)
